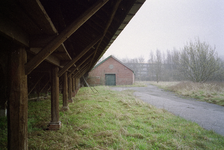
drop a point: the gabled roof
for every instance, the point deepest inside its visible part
(111, 56)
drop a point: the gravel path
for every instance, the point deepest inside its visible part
(208, 116)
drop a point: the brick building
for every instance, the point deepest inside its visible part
(111, 71)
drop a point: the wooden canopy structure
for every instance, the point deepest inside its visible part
(44, 40)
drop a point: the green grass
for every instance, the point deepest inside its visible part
(115, 120)
(208, 92)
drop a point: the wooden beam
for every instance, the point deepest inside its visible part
(78, 71)
(85, 66)
(12, 31)
(72, 71)
(51, 59)
(37, 12)
(66, 33)
(116, 6)
(83, 72)
(40, 40)
(18, 102)
(73, 61)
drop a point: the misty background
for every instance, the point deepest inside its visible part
(170, 24)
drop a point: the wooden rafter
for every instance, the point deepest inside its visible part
(73, 61)
(37, 10)
(51, 59)
(86, 58)
(83, 72)
(66, 33)
(107, 26)
(80, 70)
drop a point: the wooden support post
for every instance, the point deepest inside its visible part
(18, 102)
(55, 124)
(73, 84)
(65, 91)
(77, 85)
(70, 89)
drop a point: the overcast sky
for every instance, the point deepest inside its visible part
(165, 24)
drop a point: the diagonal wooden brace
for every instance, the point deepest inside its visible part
(73, 61)
(65, 34)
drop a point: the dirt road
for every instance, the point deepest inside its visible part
(208, 116)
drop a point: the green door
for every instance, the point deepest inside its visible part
(110, 79)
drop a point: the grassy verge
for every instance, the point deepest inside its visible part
(208, 92)
(115, 120)
(136, 84)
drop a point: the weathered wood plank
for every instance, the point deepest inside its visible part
(18, 102)
(52, 46)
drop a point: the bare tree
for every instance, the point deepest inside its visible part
(133, 64)
(158, 63)
(151, 65)
(169, 65)
(199, 61)
(141, 59)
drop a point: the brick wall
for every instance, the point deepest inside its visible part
(124, 76)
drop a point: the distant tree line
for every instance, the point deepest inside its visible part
(197, 61)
